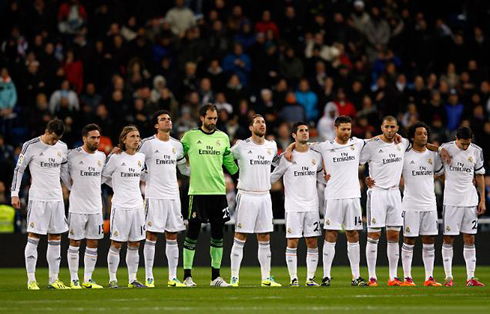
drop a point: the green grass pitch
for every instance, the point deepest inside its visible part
(249, 297)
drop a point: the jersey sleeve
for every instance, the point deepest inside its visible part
(406, 144)
(25, 158)
(235, 149)
(181, 161)
(185, 140)
(438, 165)
(66, 169)
(144, 147)
(109, 169)
(228, 159)
(280, 170)
(479, 162)
(365, 154)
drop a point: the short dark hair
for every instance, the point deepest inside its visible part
(297, 125)
(464, 133)
(56, 126)
(255, 116)
(342, 119)
(204, 109)
(154, 117)
(389, 118)
(414, 127)
(90, 127)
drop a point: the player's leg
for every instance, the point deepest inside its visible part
(120, 229)
(89, 261)
(174, 224)
(30, 254)
(452, 219)
(149, 256)
(393, 253)
(292, 261)
(447, 258)
(265, 258)
(56, 226)
(376, 218)
(328, 254)
(73, 257)
(216, 252)
(412, 221)
(428, 257)
(113, 259)
(311, 260)
(236, 257)
(132, 262)
(263, 227)
(190, 242)
(354, 255)
(469, 229)
(373, 236)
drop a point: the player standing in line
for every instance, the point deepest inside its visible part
(84, 178)
(44, 155)
(301, 203)
(385, 159)
(208, 149)
(123, 172)
(254, 205)
(461, 206)
(162, 200)
(419, 203)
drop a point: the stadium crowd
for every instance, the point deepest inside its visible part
(115, 62)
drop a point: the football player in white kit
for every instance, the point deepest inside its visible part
(342, 197)
(123, 172)
(84, 178)
(253, 213)
(385, 159)
(461, 205)
(419, 203)
(163, 154)
(45, 156)
(301, 203)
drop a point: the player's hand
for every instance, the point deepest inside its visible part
(288, 154)
(186, 223)
(482, 208)
(446, 158)
(327, 176)
(15, 202)
(369, 182)
(116, 150)
(398, 139)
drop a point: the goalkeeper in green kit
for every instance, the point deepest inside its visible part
(207, 149)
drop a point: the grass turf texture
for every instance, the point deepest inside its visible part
(249, 297)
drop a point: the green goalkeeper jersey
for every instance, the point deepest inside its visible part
(207, 153)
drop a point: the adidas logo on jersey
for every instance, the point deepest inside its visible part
(81, 162)
(156, 152)
(41, 154)
(249, 152)
(199, 142)
(123, 164)
(412, 162)
(380, 151)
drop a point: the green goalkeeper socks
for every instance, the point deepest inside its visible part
(189, 252)
(216, 252)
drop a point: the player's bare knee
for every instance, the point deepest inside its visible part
(263, 237)
(151, 236)
(352, 236)
(393, 234)
(54, 237)
(311, 243)
(410, 240)
(133, 244)
(92, 244)
(117, 245)
(428, 239)
(448, 239)
(170, 236)
(241, 236)
(331, 236)
(76, 243)
(293, 243)
(33, 235)
(468, 239)
(374, 233)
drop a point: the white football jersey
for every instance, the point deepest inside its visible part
(419, 169)
(125, 171)
(161, 160)
(44, 162)
(385, 161)
(459, 189)
(342, 164)
(254, 163)
(299, 178)
(85, 170)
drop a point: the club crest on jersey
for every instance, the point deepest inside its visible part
(269, 151)
(470, 159)
(398, 147)
(239, 226)
(373, 221)
(328, 222)
(149, 223)
(218, 142)
(408, 229)
(448, 228)
(290, 230)
(430, 161)
(313, 162)
(31, 224)
(194, 215)
(59, 154)
(352, 147)
(116, 233)
(72, 232)
(139, 163)
(173, 150)
(99, 163)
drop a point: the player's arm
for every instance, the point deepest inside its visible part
(438, 167)
(480, 182)
(288, 153)
(280, 170)
(442, 151)
(22, 163)
(229, 160)
(108, 170)
(66, 172)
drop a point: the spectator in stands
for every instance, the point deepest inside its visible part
(326, 124)
(266, 24)
(71, 17)
(64, 98)
(454, 110)
(180, 18)
(306, 98)
(73, 68)
(8, 94)
(238, 63)
(344, 106)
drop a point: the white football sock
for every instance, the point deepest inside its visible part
(393, 252)
(407, 256)
(149, 254)
(89, 261)
(236, 257)
(371, 256)
(53, 255)
(311, 262)
(354, 254)
(172, 252)
(30, 254)
(469, 253)
(447, 259)
(428, 257)
(73, 257)
(292, 262)
(328, 255)
(265, 259)
(113, 262)
(132, 262)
